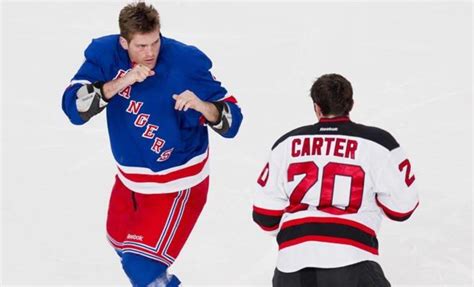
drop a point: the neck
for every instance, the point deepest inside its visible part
(331, 116)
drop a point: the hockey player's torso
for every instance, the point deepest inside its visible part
(144, 128)
(330, 173)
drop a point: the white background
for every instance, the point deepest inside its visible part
(410, 66)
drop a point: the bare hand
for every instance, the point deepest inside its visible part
(188, 100)
(138, 74)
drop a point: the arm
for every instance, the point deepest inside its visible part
(88, 95)
(89, 73)
(188, 100)
(217, 114)
(208, 100)
(395, 185)
(270, 199)
(137, 74)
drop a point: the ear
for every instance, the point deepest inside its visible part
(317, 110)
(123, 43)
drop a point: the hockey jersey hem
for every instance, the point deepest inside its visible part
(327, 229)
(143, 180)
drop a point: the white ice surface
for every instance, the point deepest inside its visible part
(410, 64)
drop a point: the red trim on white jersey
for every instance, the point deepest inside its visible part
(266, 228)
(335, 220)
(328, 239)
(333, 231)
(270, 212)
(335, 119)
(394, 215)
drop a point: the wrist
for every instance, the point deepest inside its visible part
(113, 87)
(215, 112)
(127, 80)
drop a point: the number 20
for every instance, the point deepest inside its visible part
(330, 170)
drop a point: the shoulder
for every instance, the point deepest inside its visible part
(102, 48)
(184, 56)
(374, 134)
(295, 132)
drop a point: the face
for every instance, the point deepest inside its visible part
(143, 48)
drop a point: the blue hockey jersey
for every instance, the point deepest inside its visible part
(157, 148)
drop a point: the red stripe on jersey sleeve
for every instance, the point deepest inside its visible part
(270, 212)
(230, 99)
(202, 120)
(268, 228)
(394, 215)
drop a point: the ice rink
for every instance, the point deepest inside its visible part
(410, 64)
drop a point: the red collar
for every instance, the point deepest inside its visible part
(335, 119)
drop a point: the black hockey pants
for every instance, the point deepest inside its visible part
(362, 274)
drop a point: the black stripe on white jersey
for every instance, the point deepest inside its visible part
(268, 222)
(329, 230)
(345, 127)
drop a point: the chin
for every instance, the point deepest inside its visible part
(151, 66)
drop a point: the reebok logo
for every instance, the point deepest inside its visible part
(328, 129)
(135, 237)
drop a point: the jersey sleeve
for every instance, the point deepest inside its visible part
(270, 199)
(396, 189)
(208, 89)
(89, 72)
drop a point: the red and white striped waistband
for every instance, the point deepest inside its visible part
(143, 180)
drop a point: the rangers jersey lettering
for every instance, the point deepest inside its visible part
(324, 190)
(157, 149)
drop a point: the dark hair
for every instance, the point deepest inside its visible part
(138, 18)
(333, 94)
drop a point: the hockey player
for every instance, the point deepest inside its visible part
(160, 98)
(324, 191)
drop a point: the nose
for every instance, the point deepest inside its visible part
(148, 51)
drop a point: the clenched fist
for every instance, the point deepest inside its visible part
(138, 74)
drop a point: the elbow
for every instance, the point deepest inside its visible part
(71, 112)
(74, 117)
(397, 215)
(76, 121)
(267, 220)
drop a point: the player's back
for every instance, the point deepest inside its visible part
(330, 183)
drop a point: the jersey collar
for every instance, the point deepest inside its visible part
(335, 119)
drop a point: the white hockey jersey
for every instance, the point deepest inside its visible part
(325, 189)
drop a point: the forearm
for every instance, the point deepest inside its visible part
(210, 112)
(111, 88)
